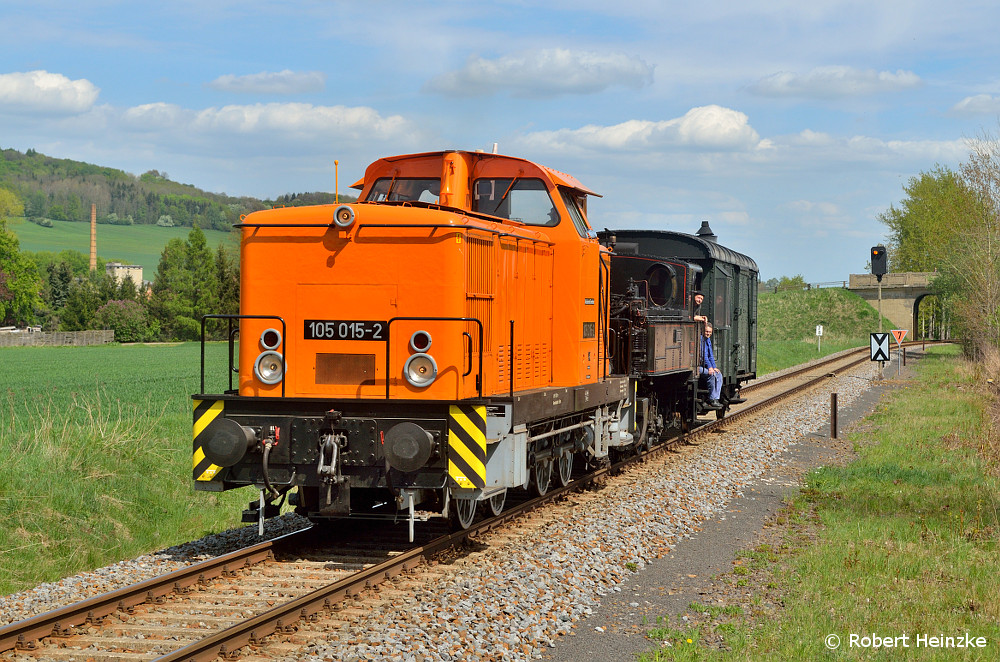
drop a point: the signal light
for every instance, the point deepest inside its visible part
(420, 341)
(270, 339)
(880, 262)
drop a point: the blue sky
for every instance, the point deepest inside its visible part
(788, 125)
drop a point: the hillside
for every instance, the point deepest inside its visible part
(64, 190)
(136, 244)
(786, 326)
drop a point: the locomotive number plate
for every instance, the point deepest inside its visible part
(344, 330)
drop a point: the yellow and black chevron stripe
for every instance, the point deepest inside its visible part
(205, 411)
(467, 445)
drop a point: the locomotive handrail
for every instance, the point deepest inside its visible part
(450, 226)
(388, 346)
(230, 318)
(361, 226)
(468, 335)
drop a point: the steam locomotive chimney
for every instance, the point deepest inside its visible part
(93, 237)
(706, 233)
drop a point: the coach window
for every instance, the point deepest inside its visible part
(401, 189)
(722, 318)
(523, 200)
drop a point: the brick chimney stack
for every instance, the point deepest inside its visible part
(93, 237)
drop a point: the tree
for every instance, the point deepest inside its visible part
(82, 302)
(20, 284)
(186, 287)
(227, 278)
(60, 277)
(10, 205)
(796, 283)
(972, 269)
(923, 226)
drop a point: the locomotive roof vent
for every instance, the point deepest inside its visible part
(705, 232)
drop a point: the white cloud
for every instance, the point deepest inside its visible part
(44, 92)
(814, 208)
(544, 73)
(834, 82)
(980, 104)
(707, 127)
(300, 120)
(281, 82)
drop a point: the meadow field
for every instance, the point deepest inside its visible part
(786, 326)
(130, 244)
(96, 447)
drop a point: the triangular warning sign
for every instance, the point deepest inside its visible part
(899, 334)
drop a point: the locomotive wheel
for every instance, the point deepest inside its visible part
(565, 468)
(464, 513)
(495, 503)
(541, 475)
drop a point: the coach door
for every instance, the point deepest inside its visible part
(722, 318)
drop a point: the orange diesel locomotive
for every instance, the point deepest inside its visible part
(423, 350)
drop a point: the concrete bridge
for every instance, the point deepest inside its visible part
(901, 295)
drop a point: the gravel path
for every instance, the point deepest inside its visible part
(525, 586)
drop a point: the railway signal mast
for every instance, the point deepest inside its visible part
(880, 265)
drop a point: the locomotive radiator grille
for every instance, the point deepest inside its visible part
(467, 445)
(345, 369)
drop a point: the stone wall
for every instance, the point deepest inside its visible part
(24, 339)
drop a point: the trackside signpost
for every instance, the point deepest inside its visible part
(899, 334)
(880, 346)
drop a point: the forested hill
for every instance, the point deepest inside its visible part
(62, 189)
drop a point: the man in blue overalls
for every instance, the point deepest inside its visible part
(709, 369)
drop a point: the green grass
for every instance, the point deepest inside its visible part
(131, 244)
(908, 542)
(96, 448)
(786, 326)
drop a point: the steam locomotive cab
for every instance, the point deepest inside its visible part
(655, 337)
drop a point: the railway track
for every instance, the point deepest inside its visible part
(215, 608)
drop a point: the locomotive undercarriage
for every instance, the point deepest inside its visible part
(400, 460)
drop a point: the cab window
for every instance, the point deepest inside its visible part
(523, 200)
(662, 285)
(401, 189)
(579, 222)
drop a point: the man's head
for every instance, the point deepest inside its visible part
(698, 298)
(708, 330)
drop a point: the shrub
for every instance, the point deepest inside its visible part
(128, 319)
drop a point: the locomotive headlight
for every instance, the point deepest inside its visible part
(269, 367)
(343, 216)
(420, 370)
(270, 339)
